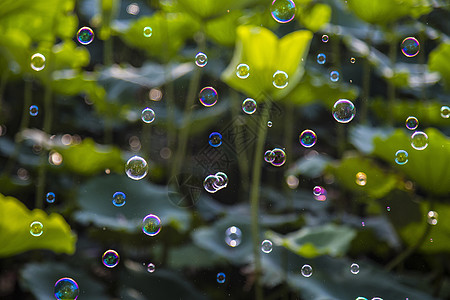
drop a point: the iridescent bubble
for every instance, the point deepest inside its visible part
(85, 35)
(208, 96)
(221, 180)
(308, 138)
(283, 11)
(242, 71)
(221, 277)
(411, 123)
(151, 225)
(432, 217)
(136, 168)
(354, 268)
(280, 157)
(377, 298)
(266, 246)
(334, 76)
(110, 258)
(388, 208)
(361, 298)
(307, 270)
(320, 193)
(151, 268)
(352, 60)
(401, 157)
(36, 228)
(344, 111)
(119, 199)
(215, 139)
(410, 47)
(361, 178)
(50, 197)
(325, 38)
(269, 123)
(37, 62)
(233, 236)
(445, 112)
(419, 140)
(66, 289)
(34, 110)
(210, 184)
(269, 156)
(148, 115)
(249, 106)
(280, 79)
(321, 58)
(201, 59)
(148, 31)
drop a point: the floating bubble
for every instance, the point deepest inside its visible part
(85, 35)
(269, 156)
(233, 236)
(307, 271)
(119, 199)
(432, 217)
(266, 246)
(388, 208)
(221, 277)
(401, 157)
(148, 115)
(344, 111)
(110, 258)
(151, 225)
(321, 58)
(210, 184)
(283, 11)
(411, 123)
(334, 76)
(269, 123)
(320, 193)
(242, 71)
(34, 110)
(361, 298)
(419, 140)
(208, 96)
(280, 157)
(410, 47)
(215, 139)
(36, 228)
(221, 180)
(66, 289)
(148, 31)
(201, 59)
(325, 38)
(292, 181)
(249, 106)
(133, 9)
(280, 79)
(151, 268)
(445, 112)
(352, 60)
(354, 268)
(136, 168)
(50, 197)
(308, 138)
(361, 178)
(363, 224)
(37, 62)
(377, 298)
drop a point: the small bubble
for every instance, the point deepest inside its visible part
(66, 289)
(210, 184)
(445, 112)
(279, 157)
(221, 180)
(354, 268)
(361, 298)
(85, 35)
(377, 298)
(432, 217)
(119, 199)
(266, 246)
(110, 258)
(363, 224)
(269, 156)
(292, 182)
(419, 140)
(215, 139)
(269, 123)
(34, 110)
(334, 76)
(307, 270)
(50, 197)
(208, 96)
(148, 31)
(280, 79)
(388, 208)
(36, 228)
(352, 60)
(220, 277)
(361, 178)
(136, 168)
(242, 71)
(201, 59)
(233, 236)
(151, 225)
(133, 9)
(325, 38)
(283, 11)
(37, 62)
(249, 106)
(401, 157)
(308, 138)
(321, 58)
(319, 193)
(155, 94)
(410, 47)
(151, 268)
(411, 123)
(148, 115)
(344, 111)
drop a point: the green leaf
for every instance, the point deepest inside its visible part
(316, 17)
(265, 54)
(14, 44)
(210, 9)
(15, 237)
(438, 62)
(223, 30)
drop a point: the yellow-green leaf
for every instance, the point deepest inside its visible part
(316, 17)
(438, 62)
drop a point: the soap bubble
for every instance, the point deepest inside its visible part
(119, 199)
(148, 31)
(249, 106)
(344, 111)
(269, 156)
(208, 96)
(151, 268)
(419, 140)
(361, 298)
(308, 138)
(432, 217)
(215, 139)
(151, 225)
(36, 228)
(233, 236)
(320, 193)
(50, 197)
(280, 79)
(354, 268)
(269, 123)
(321, 58)
(283, 11)
(85, 35)
(136, 168)
(325, 38)
(210, 184)
(280, 157)
(242, 71)
(361, 178)
(445, 111)
(37, 62)
(66, 289)
(307, 270)
(410, 47)
(401, 157)
(110, 258)
(221, 277)
(266, 246)
(201, 59)
(352, 60)
(148, 115)
(221, 180)
(334, 76)
(34, 110)
(411, 123)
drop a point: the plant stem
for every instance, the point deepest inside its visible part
(366, 79)
(390, 85)
(3, 81)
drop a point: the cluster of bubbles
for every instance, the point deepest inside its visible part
(36, 228)
(37, 62)
(136, 168)
(66, 289)
(266, 246)
(308, 138)
(411, 123)
(148, 31)
(320, 193)
(119, 199)
(354, 268)
(220, 277)
(401, 157)
(242, 71)
(85, 35)
(321, 58)
(280, 79)
(334, 76)
(147, 115)
(410, 47)
(110, 258)
(201, 59)
(151, 225)
(445, 112)
(283, 11)
(213, 183)
(249, 106)
(344, 111)
(432, 217)
(50, 197)
(233, 236)
(215, 139)
(307, 270)
(361, 179)
(276, 157)
(34, 110)
(325, 38)
(151, 268)
(419, 140)
(208, 96)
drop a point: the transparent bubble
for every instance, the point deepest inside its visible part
(361, 178)
(325, 38)
(344, 111)
(201, 59)
(280, 79)
(34, 110)
(419, 140)
(50, 197)
(148, 31)
(136, 168)
(283, 11)
(208, 96)
(411, 123)
(148, 115)
(307, 270)
(321, 58)
(269, 156)
(269, 123)
(388, 208)
(215, 139)
(110, 258)
(377, 298)
(133, 9)
(432, 217)
(151, 268)
(292, 181)
(361, 298)
(410, 47)
(37, 62)
(36, 228)
(334, 76)
(445, 112)
(320, 193)
(249, 106)
(242, 71)
(151, 225)
(308, 138)
(354, 268)
(210, 184)
(280, 157)
(85, 35)
(221, 180)
(119, 199)
(221, 277)
(401, 157)
(233, 236)
(352, 60)
(266, 246)
(66, 289)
